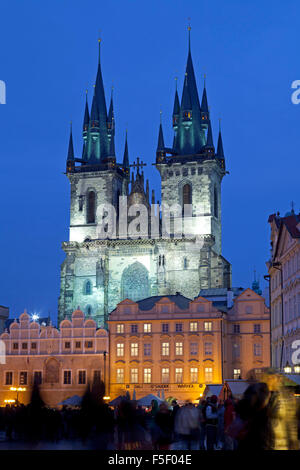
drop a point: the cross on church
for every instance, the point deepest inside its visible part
(138, 164)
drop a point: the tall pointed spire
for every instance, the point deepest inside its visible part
(160, 150)
(176, 109)
(220, 151)
(94, 109)
(70, 156)
(100, 94)
(126, 156)
(209, 139)
(71, 147)
(160, 142)
(111, 116)
(86, 119)
(192, 85)
(186, 105)
(204, 103)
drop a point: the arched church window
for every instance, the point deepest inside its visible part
(89, 310)
(91, 207)
(135, 282)
(186, 194)
(88, 288)
(216, 208)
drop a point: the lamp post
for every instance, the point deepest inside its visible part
(287, 369)
(267, 278)
(17, 389)
(277, 265)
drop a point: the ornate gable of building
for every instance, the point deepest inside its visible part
(248, 294)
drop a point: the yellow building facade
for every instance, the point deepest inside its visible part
(177, 345)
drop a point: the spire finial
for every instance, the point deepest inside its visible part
(160, 114)
(204, 79)
(176, 80)
(189, 30)
(99, 45)
(219, 124)
(292, 206)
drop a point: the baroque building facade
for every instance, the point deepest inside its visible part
(62, 361)
(105, 265)
(284, 271)
(179, 346)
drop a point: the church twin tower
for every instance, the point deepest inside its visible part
(100, 271)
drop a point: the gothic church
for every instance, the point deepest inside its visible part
(99, 272)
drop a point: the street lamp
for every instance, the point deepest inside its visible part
(17, 389)
(297, 369)
(287, 369)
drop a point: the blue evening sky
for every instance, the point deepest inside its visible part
(249, 51)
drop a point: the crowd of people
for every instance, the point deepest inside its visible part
(266, 417)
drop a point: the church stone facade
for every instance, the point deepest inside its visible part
(100, 268)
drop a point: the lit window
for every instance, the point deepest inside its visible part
(236, 374)
(147, 376)
(179, 349)
(23, 378)
(257, 349)
(81, 377)
(165, 349)
(178, 375)
(208, 374)
(207, 326)
(165, 375)
(120, 349)
(194, 375)
(147, 349)
(134, 376)
(120, 328)
(134, 349)
(208, 349)
(120, 376)
(193, 349)
(147, 327)
(193, 326)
